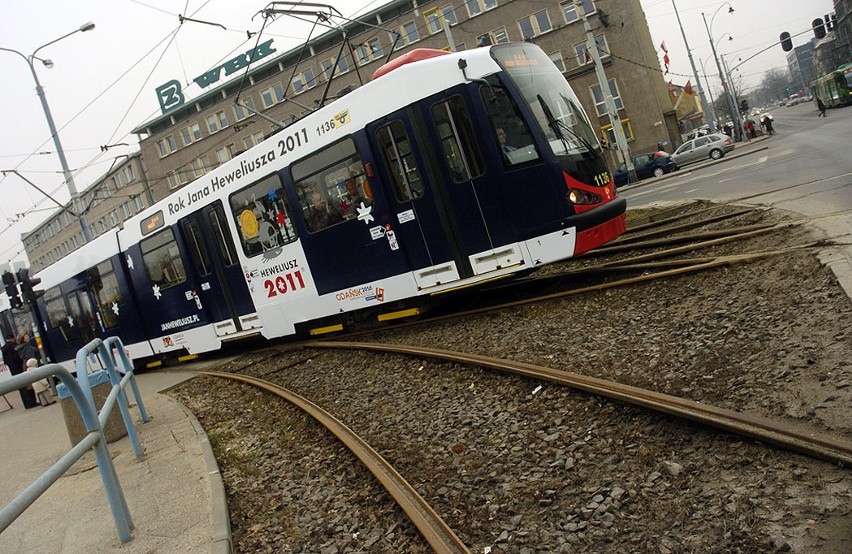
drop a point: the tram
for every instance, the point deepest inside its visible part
(835, 88)
(444, 171)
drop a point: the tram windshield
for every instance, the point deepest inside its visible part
(555, 106)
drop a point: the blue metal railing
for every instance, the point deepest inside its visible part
(94, 422)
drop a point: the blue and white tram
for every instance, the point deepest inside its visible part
(444, 171)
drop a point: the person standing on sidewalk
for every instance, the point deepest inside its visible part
(16, 367)
(821, 108)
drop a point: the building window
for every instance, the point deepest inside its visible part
(570, 11)
(556, 58)
(113, 218)
(226, 153)
(172, 179)
(126, 213)
(476, 7)
(183, 175)
(252, 140)
(128, 174)
(241, 112)
(190, 134)
(217, 122)
(167, 146)
(303, 81)
(598, 97)
(342, 67)
(368, 51)
(138, 204)
(582, 50)
(435, 18)
(497, 36)
(610, 134)
(404, 35)
(200, 166)
(272, 95)
(535, 24)
(116, 184)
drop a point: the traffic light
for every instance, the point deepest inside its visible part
(744, 106)
(11, 290)
(818, 27)
(786, 42)
(27, 283)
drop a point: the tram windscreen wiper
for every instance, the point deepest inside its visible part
(558, 126)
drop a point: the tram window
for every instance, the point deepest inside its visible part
(223, 237)
(161, 256)
(458, 140)
(197, 250)
(107, 293)
(57, 314)
(396, 149)
(332, 185)
(263, 216)
(512, 134)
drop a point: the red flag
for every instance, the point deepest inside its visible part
(663, 47)
(688, 88)
(666, 63)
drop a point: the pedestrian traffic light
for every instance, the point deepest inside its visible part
(27, 283)
(11, 290)
(818, 27)
(786, 42)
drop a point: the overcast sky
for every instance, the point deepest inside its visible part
(102, 83)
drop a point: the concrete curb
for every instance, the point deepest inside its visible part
(222, 541)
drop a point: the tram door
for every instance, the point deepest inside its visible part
(221, 285)
(450, 221)
(82, 311)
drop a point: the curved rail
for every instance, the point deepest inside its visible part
(833, 449)
(437, 533)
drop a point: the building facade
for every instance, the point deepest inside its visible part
(237, 108)
(118, 195)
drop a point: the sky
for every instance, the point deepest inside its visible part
(102, 83)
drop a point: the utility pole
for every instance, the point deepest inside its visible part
(707, 119)
(609, 101)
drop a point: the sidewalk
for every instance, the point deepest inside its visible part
(175, 494)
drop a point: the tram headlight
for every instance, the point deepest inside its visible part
(577, 196)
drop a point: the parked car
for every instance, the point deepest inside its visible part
(653, 164)
(711, 146)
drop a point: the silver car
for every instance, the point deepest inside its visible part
(710, 146)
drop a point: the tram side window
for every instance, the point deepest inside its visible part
(512, 134)
(197, 250)
(263, 216)
(57, 313)
(458, 139)
(161, 256)
(223, 236)
(396, 150)
(107, 293)
(332, 186)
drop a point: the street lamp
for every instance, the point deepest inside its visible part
(69, 178)
(710, 122)
(730, 98)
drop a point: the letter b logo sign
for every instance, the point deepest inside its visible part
(170, 96)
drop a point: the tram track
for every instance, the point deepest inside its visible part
(782, 434)
(434, 530)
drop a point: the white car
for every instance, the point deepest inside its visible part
(707, 147)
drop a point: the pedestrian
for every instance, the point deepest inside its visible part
(766, 121)
(820, 107)
(13, 361)
(41, 388)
